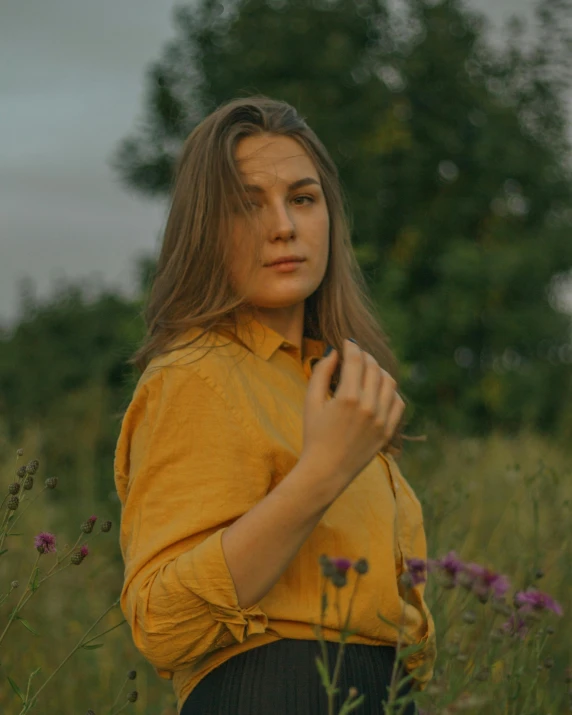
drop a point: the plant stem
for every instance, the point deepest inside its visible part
(30, 703)
(13, 524)
(117, 696)
(105, 632)
(18, 605)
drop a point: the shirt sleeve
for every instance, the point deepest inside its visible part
(185, 468)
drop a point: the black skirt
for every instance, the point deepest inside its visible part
(281, 678)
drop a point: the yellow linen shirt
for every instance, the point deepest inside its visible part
(201, 442)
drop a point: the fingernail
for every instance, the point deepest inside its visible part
(327, 351)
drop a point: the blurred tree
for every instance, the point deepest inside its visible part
(63, 375)
(454, 156)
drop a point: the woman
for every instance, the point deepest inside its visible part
(245, 453)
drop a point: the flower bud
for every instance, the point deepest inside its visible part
(14, 585)
(550, 630)
(106, 526)
(21, 471)
(87, 527)
(539, 573)
(77, 557)
(338, 579)
(20, 452)
(132, 697)
(14, 488)
(352, 693)
(51, 482)
(28, 482)
(361, 566)
(469, 617)
(32, 467)
(406, 580)
(132, 674)
(13, 503)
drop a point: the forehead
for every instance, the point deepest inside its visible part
(267, 157)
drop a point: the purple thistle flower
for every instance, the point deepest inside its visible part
(451, 563)
(416, 568)
(515, 626)
(45, 542)
(92, 519)
(341, 564)
(84, 551)
(484, 580)
(532, 599)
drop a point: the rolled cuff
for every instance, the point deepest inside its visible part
(204, 571)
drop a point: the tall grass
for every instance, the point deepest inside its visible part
(504, 503)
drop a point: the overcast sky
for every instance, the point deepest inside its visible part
(71, 86)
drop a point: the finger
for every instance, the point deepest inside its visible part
(371, 385)
(386, 394)
(393, 418)
(350, 385)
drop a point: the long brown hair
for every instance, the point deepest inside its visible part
(192, 285)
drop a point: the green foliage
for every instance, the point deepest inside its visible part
(63, 368)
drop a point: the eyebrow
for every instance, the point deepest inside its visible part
(291, 187)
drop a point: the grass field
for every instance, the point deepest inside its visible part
(503, 503)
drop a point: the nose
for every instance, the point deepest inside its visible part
(281, 222)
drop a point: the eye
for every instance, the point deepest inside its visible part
(310, 198)
(251, 204)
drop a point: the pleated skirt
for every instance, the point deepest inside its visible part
(281, 678)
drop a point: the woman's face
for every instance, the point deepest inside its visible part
(286, 221)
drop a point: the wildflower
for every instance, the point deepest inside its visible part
(451, 563)
(341, 564)
(484, 581)
(28, 482)
(51, 482)
(534, 600)
(515, 626)
(84, 551)
(447, 567)
(20, 452)
(132, 674)
(416, 568)
(21, 471)
(14, 584)
(14, 488)
(13, 503)
(45, 542)
(106, 526)
(132, 697)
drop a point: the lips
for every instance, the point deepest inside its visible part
(288, 259)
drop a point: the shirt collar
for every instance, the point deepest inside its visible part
(263, 341)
